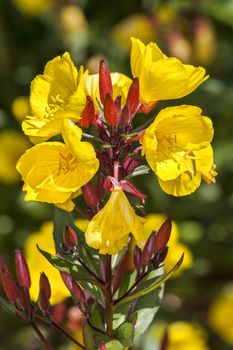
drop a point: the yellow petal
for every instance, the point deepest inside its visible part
(110, 227)
(161, 77)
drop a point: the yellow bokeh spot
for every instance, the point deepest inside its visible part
(12, 145)
(20, 107)
(221, 316)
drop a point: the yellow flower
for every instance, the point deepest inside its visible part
(120, 84)
(12, 146)
(176, 248)
(54, 172)
(55, 95)
(182, 336)
(37, 263)
(162, 77)
(20, 107)
(221, 316)
(137, 25)
(32, 8)
(177, 148)
(109, 229)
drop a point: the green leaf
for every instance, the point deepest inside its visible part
(125, 333)
(114, 345)
(88, 337)
(85, 279)
(150, 285)
(95, 317)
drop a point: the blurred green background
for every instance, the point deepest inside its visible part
(198, 32)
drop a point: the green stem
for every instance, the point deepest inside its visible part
(108, 295)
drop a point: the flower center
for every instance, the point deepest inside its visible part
(67, 163)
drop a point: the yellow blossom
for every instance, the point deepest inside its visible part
(20, 107)
(137, 25)
(182, 335)
(120, 84)
(55, 95)
(162, 77)
(12, 146)
(176, 248)
(221, 316)
(177, 148)
(54, 172)
(37, 262)
(109, 229)
(33, 8)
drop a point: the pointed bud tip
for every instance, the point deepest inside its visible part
(22, 270)
(163, 235)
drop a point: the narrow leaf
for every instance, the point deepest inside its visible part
(150, 285)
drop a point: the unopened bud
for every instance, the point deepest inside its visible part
(22, 270)
(77, 292)
(132, 100)
(105, 82)
(9, 285)
(45, 285)
(148, 249)
(137, 257)
(90, 196)
(111, 113)
(23, 298)
(163, 235)
(70, 237)
(88, 114)
(67, 279)
(43, 301)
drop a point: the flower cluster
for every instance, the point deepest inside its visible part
(85, 141)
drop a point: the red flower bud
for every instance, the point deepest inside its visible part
(102, 346)
(132, 100)
(67, 279)
(88, 114)
(77, 292)
(90, 196)
(9, 285)
(163, 235)
(110, 111)
(137, 258)
(45, 285)
(148, 249)
(22, 270)
(105, 82)
(70, 237)
(24, 298)
(125, 116)
(43, 301)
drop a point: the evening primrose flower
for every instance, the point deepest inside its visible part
(177, 148)
(55, 95)
(12, 146)
(37, 262)
(109, 229)
(120, 85)
(54, 172)
(220, 315)
(152, 223)
(162, 77)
